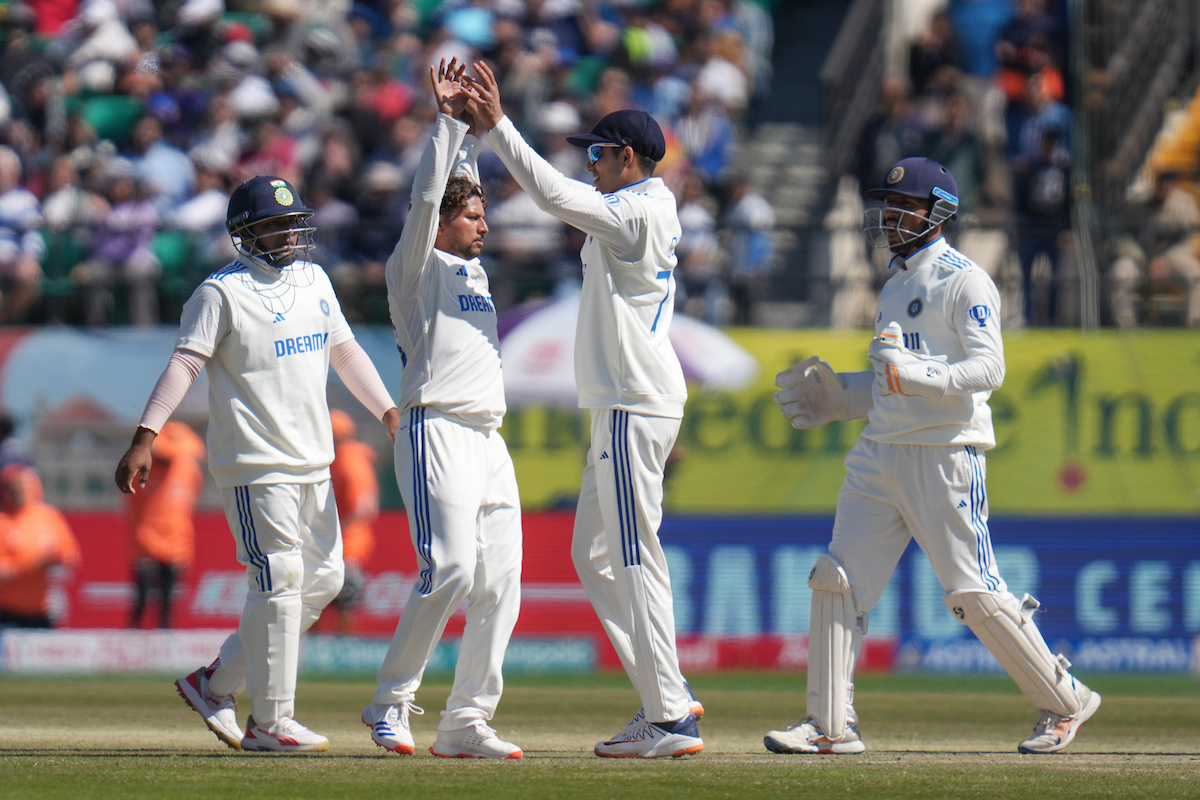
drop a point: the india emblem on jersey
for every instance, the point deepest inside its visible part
(324, 306)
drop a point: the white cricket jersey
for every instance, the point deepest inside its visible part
(623, 356)
(441, 305)
(948, 306)
(267, 335)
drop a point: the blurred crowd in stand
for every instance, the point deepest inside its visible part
(125, 123)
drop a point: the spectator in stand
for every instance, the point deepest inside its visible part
(749, 222)
(702, 291)
(979, 23)
(34, 540)
(161, 519)
(935, 59)
(165, 171)
(707, 136)
(356, 490)
(69, 206)
(1171, 242)
(381, 211)
(956, 145)
(1042, 198)
(1032, 43)
(21, 243)
(894, 132)
(121, 252)
(203, 213)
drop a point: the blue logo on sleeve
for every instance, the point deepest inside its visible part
(980, 314)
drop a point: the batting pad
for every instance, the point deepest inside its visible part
(831, 647)
(1005, 626)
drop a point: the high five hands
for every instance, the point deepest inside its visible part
(473, 101)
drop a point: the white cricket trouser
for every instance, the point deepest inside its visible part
(464, 514)
(289, 539)
(618, 556)
(934, 494)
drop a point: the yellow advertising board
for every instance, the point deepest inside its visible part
(1086, 423)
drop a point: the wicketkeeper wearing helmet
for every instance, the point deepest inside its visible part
(918, 472)
(267, 327)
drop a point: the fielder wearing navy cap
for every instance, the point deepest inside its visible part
(627, 128)
(920, 179)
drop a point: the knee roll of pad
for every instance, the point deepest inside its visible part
(835, 632)
(1005, 626)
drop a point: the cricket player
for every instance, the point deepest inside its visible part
(267, 327)
(452, 466)
(631, 382)
(918, 472)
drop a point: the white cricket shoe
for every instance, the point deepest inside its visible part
(804, 736)
(1053, 732)
(285, 736)
(219, 711)
(644, 739)
(389, 725)
(477, 740)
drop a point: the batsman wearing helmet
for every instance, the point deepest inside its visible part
(267, 327)
(917, 472)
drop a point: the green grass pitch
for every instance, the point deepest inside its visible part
(927, 737)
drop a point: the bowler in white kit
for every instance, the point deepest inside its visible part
(918, 472)
(452, 466)
(267, 328)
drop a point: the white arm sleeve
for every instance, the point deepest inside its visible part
(354, 367)
(983, 368)
(182, 370)
(441, 155)
(607, 217)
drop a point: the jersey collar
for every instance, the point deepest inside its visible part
(925, 254)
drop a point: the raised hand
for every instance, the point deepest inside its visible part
(484, 98)
(447, 83)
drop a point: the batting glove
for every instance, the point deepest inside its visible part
(811, 394)
(903, 372)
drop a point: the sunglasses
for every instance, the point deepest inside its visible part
(594, 151)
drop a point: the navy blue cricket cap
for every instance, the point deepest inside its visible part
(628, 128)
(263, 197)
(918, 177)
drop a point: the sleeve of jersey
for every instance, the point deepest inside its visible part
(608, 217)
(204, 321)
(181, 372)
(354, 367)
(429, 185)
(976, 310)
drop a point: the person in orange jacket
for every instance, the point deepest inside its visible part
(34, 538)
(160, 518)
(356, 488)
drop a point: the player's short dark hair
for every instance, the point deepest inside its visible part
(646, 164)
(459, 190)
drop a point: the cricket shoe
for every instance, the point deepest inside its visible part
(1053, 731)
(285, 736)
(477, 740)
(389, 725)
(644, 739)
(219, 711)
(803, 736)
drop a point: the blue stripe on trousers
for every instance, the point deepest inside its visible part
(250, 538)
(420, 489)
(623, 480)
(984, 556)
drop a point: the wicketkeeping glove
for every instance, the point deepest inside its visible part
(901, 371)
(811, 394)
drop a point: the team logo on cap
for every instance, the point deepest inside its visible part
(895, 176)
(283, 196)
